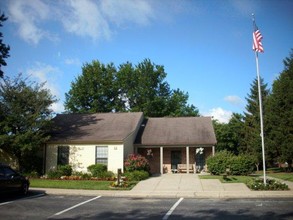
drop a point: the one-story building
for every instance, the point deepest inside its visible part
(108, 138)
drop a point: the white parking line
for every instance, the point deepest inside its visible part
(172, 209)
(79, 204)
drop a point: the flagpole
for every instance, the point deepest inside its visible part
(261, 114)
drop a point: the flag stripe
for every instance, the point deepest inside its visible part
(257, 45)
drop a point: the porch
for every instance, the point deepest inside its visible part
(165, 159)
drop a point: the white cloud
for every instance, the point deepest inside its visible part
(119, 12)
(84, 18)
(46, 73)
(28, 15)
(220, 114)
(72, 61)
(234, 100)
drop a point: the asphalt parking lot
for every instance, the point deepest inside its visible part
(38, 205)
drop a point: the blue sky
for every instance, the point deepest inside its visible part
(204, 45)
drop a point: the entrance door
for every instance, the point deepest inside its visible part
(175, 158)
(200, 160)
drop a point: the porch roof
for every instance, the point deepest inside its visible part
(180, 131)
(94, 128)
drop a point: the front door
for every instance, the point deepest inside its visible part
(175, 158)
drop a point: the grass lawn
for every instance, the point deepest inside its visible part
(75, 184)
(244, 179)
(229, 179)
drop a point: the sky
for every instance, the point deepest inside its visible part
(205, 46)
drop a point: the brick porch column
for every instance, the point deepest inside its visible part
(187, 159)
(161, 160)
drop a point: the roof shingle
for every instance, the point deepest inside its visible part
(188, 131)
(99, 127)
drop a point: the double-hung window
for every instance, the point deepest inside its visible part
(102, 155)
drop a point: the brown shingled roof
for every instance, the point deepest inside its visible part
(100, 127)
(188, 131)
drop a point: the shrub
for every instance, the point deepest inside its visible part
(237, 165)
(137, 175)
(219, 163)
(136, 162)
(97, 169)
(54, 174)
(241, 165)
(106, 175)
(258, 184)
(65, 170)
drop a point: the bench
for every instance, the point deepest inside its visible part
(182, 168)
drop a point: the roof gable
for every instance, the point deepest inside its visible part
(176, 131)
(99, 127)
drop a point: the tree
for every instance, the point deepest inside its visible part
(252, 141)
(24, 119)
(178, 106)
(140, 88)
(281, 115)
(230, 135)
(4, 49)
(144, 88)
(95, 90)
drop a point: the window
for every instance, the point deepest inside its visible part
(102, 155)
(63, 155)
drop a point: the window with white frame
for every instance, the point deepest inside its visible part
(102, 155)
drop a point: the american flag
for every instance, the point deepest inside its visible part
(257, 37)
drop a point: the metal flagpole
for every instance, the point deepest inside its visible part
(260, 113)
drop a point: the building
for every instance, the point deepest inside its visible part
(85, 139)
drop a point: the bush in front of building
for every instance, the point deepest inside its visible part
(218, 163)
(224, 162)
(99, 170)
(136, 162)
(62, 170)
(137, 175)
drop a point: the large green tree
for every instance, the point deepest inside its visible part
(4, 49)
(103, 88)
(95, 90)
(24, 119)
(251, 143)
(229, 135)
(281, 115)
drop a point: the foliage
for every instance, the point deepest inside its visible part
(66, 170)
(229, 135)
(4, 49)
(62, 170)
(137, 175)
(237, 165)
(136, 162)
(281, 116)
(241, 165)
(140, 88)
(251, 142)
(218, 163)
(258, 184)
(24, 119)
(97, 170)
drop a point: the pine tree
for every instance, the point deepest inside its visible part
(281, 115)
(252, 140)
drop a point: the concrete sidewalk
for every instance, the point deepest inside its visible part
(180, 185)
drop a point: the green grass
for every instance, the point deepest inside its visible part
(283, 176)
(229, 179)
(244, 179)
(74, 184)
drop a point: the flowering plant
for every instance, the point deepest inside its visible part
(136, 162)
